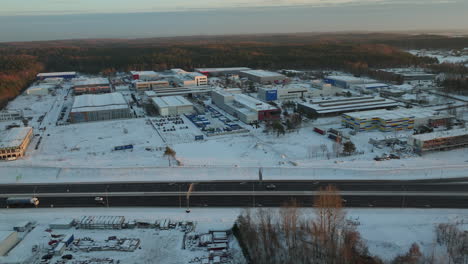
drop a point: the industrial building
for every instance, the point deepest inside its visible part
(40, 89)
(173, 91)
(244, 107)
(221, 71)
(393, 120)
(8, 240)
(10, 115)
(172, 105)
(95, 107)
(144, 75)
(440, 140)
(269, 94)
(392, 93)
(91, 86)
(14, 142)
(334, 107)
(184, 79)
(150, 85)
(345, 82)
(64, 75)
(409, 75)
(371, 86)
(261, 76)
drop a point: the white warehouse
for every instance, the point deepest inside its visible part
(172, 105)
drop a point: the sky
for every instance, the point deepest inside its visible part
(27, 20)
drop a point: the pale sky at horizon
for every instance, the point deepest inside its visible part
(60, 7)
(26, 20)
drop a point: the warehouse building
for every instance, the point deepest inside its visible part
(40, 89)
(371, 86)
(8, 240)
(410, 75)
(334, 107)
(96, 107)
(221, 71)
(10, 115)
(144, 75)
(91, 86)
(64, 75)
(393, 120)
(261, 76)
(172, 105)
(345, 81)
(440, 140)
(150, 85)
(14, 142)
(244, 107)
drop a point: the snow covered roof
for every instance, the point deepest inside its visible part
(14, 137)
(144, 73)
(168, 101)
(349, 78)
(263, 73)
(91, 81)
(349, 104)
(97, 102)
(441, 134)
(252, 103)
(48, 74)
(394, 114)
(222, 69)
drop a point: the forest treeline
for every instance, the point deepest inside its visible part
(16, 73)
(18, 66)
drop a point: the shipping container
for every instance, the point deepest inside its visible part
(130, 146)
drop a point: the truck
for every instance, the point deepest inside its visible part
(13, 202)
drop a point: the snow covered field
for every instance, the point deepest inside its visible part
(387, 232)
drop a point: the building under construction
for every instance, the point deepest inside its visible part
(440, 140)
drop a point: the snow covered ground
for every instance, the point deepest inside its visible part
(441, 55)
(387, 232)
(157, 246)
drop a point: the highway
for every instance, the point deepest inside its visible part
(413, 194)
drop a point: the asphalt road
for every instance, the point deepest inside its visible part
(418, 194)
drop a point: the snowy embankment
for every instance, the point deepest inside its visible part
(341, 171)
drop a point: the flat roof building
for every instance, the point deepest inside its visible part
(172, 105)
(14, 142)
(64, 75)
(91, 86)
(346, 81)
(221, 71)
(392, 120)
(262, 76)
(150, 85)
(144, 75)
(96, 107)
(244, 107)
(334, 107)
(440, 140)
(184, 79)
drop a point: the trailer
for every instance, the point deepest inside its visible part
(320, 131)
(13, 202)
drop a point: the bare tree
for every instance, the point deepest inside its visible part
(169, 153)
